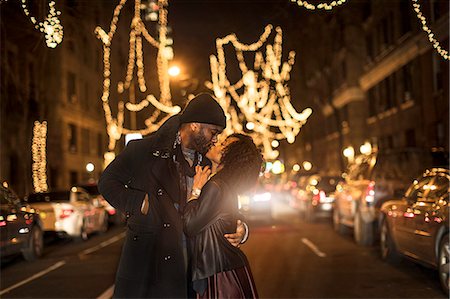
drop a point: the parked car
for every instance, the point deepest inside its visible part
(73, 213)
(20, 228)
(114, 216)
(319, 196)
(417, 225)
(370, 181)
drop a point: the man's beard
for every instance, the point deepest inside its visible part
(201, 144)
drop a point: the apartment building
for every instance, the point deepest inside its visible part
(378, 81)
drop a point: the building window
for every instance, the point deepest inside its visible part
(100, 145)
(391, 90)
(407, 83)
(86, 141)
(72, 136)
(71, 87)
(440, 134)
(53, 178)
(369, 46)
(410, 138)
(73, 178)
(85, 99)
(372, 101)
(405, 9)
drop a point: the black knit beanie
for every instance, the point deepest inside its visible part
(204, 109)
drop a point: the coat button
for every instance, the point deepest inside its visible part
(160, 192)
(135, 238)
(127, 215)
(166, 258)
(156, 153)
(166, 225)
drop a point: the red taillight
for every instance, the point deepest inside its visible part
(65, 213)
(322, 195)
(111, 212)
(370, 192)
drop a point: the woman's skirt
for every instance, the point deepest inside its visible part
(237, 283)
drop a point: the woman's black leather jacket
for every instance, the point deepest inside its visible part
(206, 220)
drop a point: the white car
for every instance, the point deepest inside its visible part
(73, 213)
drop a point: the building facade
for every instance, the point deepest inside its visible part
(380, 81)
(61, 86)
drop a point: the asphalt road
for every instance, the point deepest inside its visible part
(289, 258)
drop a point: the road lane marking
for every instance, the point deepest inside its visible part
(107, 294)
(35, 276)
(313, 247)
(103, 244)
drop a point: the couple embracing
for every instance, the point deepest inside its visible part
(178, 189)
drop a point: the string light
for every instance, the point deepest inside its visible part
(38, 150)
(261, 98)
(51, 27)
(425, 28)
(325, 6)
(115, 125)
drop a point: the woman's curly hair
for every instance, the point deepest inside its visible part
(242, 161)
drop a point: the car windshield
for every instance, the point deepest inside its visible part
(62, 196)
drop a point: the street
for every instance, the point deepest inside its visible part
(290, 258)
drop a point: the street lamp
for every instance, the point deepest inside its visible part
(307, 165)
(90, 167)
(366, 148)
(174, 71)
(349, 153)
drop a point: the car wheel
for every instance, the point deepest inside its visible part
(387, 246)
(363, 231)
(444, 263)
(83, 236)
(35, 244)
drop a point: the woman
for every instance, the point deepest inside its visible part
(220, 270)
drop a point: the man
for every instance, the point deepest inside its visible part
(150, 181)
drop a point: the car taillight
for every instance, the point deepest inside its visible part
(370, 193)
(64, 213)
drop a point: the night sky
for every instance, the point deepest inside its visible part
(197, 24)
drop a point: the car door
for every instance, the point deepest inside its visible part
(408, 213)
(431, 213)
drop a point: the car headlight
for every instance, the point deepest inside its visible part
(262, 197)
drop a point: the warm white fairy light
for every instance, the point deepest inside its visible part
(51, 27)
(38, 150)
(261, 98)
(115, 128)
(325, 6)
(431, 38)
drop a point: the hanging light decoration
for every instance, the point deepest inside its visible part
(38, 150)
(162, 103)
(325, 6)
(261, 97)
(51, 27)
(431, 38)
